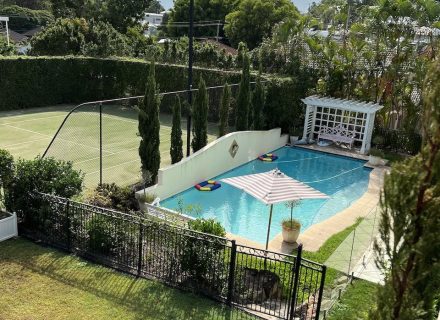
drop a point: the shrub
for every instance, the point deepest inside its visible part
(201, 256)
(42, 175)
(109, 236)
(114, 197)
(291, 224)
(210, 226)
(6, 173)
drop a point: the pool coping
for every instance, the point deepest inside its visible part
(316, 235)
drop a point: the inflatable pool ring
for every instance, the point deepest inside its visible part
(268, 157)
(209, 185)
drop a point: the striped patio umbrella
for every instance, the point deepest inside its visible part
(274, 187)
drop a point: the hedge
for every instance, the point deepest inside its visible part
(29, 82)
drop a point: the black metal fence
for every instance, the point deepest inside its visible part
(283, 286)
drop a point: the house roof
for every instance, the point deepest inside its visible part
(343, 104)
(221, 46)
(16, 37)
(32, 32)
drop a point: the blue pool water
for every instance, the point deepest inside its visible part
(343, 179)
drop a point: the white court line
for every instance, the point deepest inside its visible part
(33, 119)
(115, 166)
(121, 164)
(46, 135)
(20, 143)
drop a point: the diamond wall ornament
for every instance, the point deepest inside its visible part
(233, 149)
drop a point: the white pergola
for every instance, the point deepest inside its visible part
(355, 116)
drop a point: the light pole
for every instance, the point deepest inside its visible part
(190, 75)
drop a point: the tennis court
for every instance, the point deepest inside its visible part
(27, 133)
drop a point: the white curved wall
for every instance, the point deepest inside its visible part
(215, 159)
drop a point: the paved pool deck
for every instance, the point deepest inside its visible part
(315, 236)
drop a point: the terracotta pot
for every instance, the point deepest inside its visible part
(290, 235)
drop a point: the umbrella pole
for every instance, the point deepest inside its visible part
(268, 228)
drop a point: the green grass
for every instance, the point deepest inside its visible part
(41, 283)
(27, 133)
(327, 250)
(356, 302)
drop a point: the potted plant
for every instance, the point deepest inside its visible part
(375, 157)
(291, 227)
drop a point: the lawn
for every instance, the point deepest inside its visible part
(41, 283)
(27, 133)
(356, 303)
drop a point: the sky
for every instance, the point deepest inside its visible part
(302, 5)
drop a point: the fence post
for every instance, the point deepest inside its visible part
(100, 143)
(321, 292)
(296, 282)
(140, 246)
(231, 279)
(68, 231)
(351, 252)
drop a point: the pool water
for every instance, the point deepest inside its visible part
(343, 179)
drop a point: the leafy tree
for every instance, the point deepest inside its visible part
(149, 127)
(5, 49)
(30, 4)
(258, 98)
(69, 8)
(224, 111)
(204, 10)
(410, 219)
(253, 20)
(200, 116)
(155, 7)
(23, 19)
(244, 97)
(176, 149)
(121, 14)
(79, 37)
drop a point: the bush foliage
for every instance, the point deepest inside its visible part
(41, 81)
(41, 175)
(114, 197)
(80, 37)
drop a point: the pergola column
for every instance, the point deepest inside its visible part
(366, 142)
(306, 121)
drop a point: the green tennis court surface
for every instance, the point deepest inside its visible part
(27, 133)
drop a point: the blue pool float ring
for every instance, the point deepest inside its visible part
(268, 157)
(209, 185)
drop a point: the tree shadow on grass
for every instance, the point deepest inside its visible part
(144, 298)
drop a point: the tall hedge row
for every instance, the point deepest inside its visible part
(29, 82)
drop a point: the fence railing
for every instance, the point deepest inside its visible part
(265, 282)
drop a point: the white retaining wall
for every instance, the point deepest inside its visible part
(215, 159)
(8, 227)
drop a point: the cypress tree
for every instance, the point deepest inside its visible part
(258, 98)
(244, 97)
(409, 251)
(176, 151)
(224, 111)
(149, 127)
(200, 116)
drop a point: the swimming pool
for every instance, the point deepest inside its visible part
(343, 179)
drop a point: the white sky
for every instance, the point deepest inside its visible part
(302, 5)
